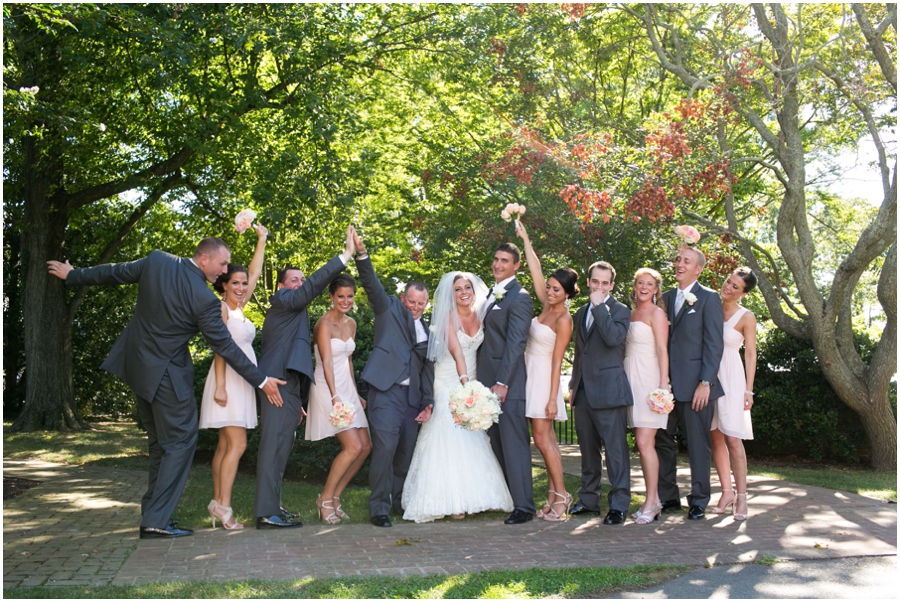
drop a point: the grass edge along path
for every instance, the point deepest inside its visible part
(530, 583)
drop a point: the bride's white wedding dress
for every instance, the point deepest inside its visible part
(453, 470)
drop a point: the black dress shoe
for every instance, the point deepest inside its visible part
(167, 533)
(580, 508)
(381, 521)
(276, 522)
(671, 505)
(695, 513)
(614, 517)
(517, 517)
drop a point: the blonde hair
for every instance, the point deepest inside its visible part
(656, 277)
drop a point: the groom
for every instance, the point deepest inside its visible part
(400, 379)
(696, 343)
(501, 365)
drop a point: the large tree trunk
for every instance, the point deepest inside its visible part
(50, 396)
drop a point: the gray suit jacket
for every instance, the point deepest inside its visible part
(285, 332)
(174, 303)
(695, 342)
(395, 354)
(599, 362)
(501, 358)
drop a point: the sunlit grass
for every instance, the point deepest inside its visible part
(525, 584)
(881, 484)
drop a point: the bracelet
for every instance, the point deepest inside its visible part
(333, 396)
(361, 254)
(462, 376)
(750, 393)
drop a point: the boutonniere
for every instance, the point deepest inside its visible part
(499, 294)
(690, 298)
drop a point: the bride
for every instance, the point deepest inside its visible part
(454, 472)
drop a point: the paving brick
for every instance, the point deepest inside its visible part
(49, 536)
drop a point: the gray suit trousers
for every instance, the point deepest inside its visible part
(512, 446)
(172, 439)
(277, 430)
(696, 427)
(608, 426)
(393, 426)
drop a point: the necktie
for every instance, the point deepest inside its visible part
(679, 301)
(590, 317)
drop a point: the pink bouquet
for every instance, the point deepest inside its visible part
(244, 220)
(474, 407)
(661, 401)
(512, 211)
(343, 413)
(688, 234)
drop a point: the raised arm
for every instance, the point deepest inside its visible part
(378, 298)
(256, 264)
(298, 299)
(128, 272)
(534, 264)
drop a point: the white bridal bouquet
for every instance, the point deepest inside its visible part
(343, 413)
(512, 211)
(244, 220)
(661, 401)
(474, 407)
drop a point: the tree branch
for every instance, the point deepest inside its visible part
(876, 44)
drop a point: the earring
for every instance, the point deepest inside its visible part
(567, 303)
(654, 298)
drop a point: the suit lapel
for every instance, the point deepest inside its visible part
(580, 317)
(684, 306)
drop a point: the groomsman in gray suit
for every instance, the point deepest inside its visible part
(501, 366)
(600, 395)
(151, 355)
(400, 378)
(696, 326)
(286, 353)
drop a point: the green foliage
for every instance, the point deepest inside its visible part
(795, 410)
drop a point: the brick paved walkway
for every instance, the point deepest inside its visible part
(89, 521)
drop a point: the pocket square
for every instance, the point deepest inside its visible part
(693, 311)
(496, 307)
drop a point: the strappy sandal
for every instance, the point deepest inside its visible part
(645, 518)
(331, 518)
(338, 510)
(553, 515)
(739, 515)
(717, 510)
(547, 506)
(226, 516)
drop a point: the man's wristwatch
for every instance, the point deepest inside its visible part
(705, 383)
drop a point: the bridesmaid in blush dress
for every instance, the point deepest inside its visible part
(334, 381)
(731, 420)
(229, 401)
(548, 338)
(647, 368)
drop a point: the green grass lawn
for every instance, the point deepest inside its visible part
(528, 584)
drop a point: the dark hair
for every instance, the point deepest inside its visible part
(341, 281)
(602, 265)
(748, 277)
(416, 284)
(568, 279)
(209, 245)
(282, 273)
(222, 280)
(512, 249)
